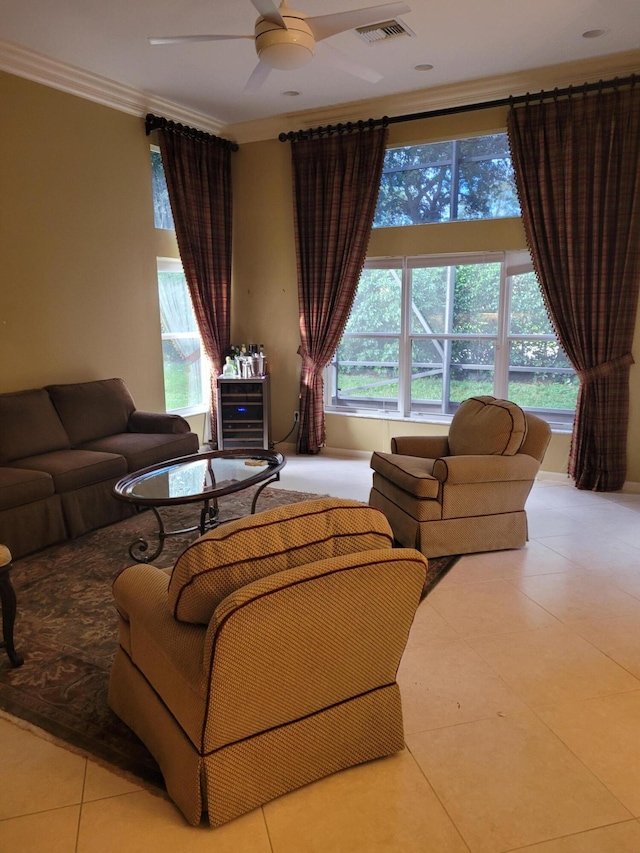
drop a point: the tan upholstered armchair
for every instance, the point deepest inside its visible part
(464, 492)
(267, 658)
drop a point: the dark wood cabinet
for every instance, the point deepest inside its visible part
(243, 413)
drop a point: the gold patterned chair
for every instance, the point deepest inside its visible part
(267, 657)
(465, 492)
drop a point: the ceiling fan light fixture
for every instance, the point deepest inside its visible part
(285, 49)
(286, 56)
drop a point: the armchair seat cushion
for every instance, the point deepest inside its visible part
(413, 474)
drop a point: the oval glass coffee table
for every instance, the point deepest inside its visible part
(200, 478)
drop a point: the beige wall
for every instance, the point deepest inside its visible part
(78, 294)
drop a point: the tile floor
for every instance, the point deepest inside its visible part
(521, 694)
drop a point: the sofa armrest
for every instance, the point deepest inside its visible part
(157, 422)
(425, 446)
(455, 470)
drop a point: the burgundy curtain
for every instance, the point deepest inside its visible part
(577, 167)
(335, 181)
(198, 176)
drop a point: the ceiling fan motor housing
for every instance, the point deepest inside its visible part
(285, 49)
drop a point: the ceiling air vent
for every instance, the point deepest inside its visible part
(381, 32)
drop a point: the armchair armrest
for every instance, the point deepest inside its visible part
(425, 446)
(157, 422)
(310, 637)
(485, 469)
(168, 653)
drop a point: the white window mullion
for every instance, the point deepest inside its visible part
(405, 359)
(501, 360)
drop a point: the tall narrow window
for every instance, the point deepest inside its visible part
(162, 215)
(183, 358)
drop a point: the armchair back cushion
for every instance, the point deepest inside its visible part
(29, 426)
(243, 551)
(485, 426)
(92, 410)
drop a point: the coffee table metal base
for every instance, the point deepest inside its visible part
(209, 520)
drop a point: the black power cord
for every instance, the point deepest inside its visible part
(296, 418)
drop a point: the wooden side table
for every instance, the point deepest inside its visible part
(9, 606)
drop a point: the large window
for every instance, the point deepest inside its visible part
(183, 357)
(425, 333)
(444, 181)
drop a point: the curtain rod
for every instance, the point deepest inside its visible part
(152, 122)
(349, 127)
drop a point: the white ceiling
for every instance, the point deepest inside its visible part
(464, 40)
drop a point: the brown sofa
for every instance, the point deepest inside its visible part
(267, 658)
(63, 447)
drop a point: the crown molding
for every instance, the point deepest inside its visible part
(31, 65)
(34, 66)
(442, 97)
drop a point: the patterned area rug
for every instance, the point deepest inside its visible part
(66, 629)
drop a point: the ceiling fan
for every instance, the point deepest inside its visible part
(287, 39)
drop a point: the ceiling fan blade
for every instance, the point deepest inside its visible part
(178, 39)
(337, 59)
(258, 76)
(270, 12)
(323, 26)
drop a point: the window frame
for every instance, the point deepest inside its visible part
(513, 262)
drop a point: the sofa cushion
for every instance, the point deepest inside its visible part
(29, 425)
(90, 410)
(245, 550)
(74, 469)
(18, 487)
(144, 449)
(485, 426)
